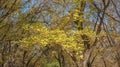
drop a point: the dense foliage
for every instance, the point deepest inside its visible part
(59, 33)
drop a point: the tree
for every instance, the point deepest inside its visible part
(59, 33)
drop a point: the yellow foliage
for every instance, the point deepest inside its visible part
(70, 40)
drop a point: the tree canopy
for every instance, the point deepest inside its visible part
(59, 33)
